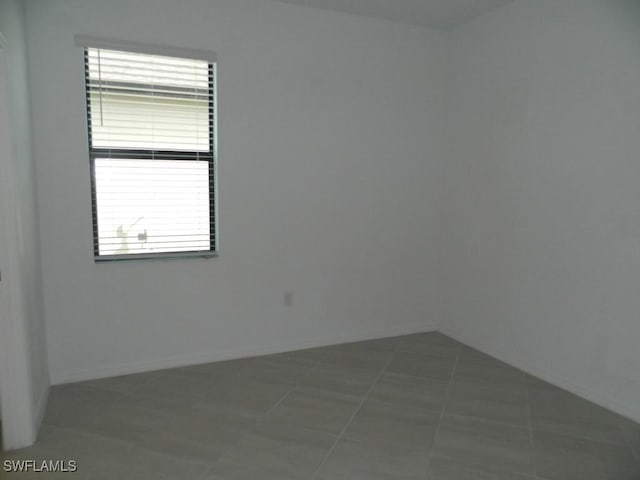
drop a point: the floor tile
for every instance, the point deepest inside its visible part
(62, 443)
(292, 434)
(484, 445)
(142, 464)
(631, 432)
(316, 409)
(243, 396)
(340, 379)
(211, 371)
(278, 450)
(386, 343)
(422, 365)
(413, 392)
(557, 411)
(286, 371)
(225, 470)
(562, 457)
(309, 354)
(353, 460)
(476, 369)
(445, 469)
(503, 406)
(194, 437)
(432, 343)
(537, 383)
(124, 421)
(358, 355)
(383, 424)
(99, 458)
(169, 392)
(75, 405)
(279, 417)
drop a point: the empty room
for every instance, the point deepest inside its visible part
(320, 239)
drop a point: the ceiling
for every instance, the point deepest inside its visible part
(430, 13)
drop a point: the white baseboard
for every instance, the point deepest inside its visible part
(599, 398)
(80, 375)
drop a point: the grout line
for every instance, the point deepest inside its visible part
(444, 404)
(263, 416)
(293, 388)
(276, 405)
(259, 418)
(353, 416)
(491, 422)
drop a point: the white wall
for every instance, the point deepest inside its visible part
(21, 268)
(330, 156)
(541, 244)
(330, 187)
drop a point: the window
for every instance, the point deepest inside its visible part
(152, 151)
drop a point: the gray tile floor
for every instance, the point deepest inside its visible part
(418, 407)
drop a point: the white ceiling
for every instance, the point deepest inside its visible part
(430, 13)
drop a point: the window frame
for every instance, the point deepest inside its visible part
(210, 157)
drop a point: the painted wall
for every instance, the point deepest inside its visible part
(330, 170)
(22, 269)
(541, 237)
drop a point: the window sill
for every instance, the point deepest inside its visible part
(153, 256)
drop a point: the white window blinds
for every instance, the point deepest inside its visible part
(151, 143)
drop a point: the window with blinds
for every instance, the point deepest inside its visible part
(151, 143)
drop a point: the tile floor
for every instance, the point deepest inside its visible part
(420, 407)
